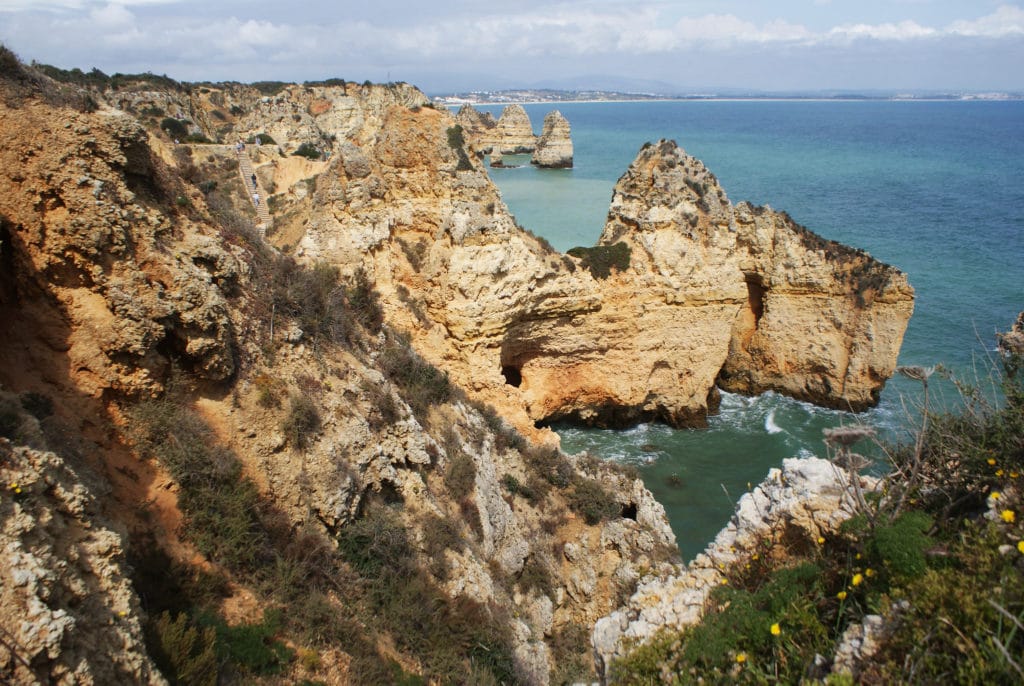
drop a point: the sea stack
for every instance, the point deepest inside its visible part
(514, 133)
(554, 148)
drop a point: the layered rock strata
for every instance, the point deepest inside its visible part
(554, 147)
(809, 495)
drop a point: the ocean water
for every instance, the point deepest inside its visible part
(934, 188)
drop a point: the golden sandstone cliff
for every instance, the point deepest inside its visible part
(186, 407)
(130, 262)
(709, 294)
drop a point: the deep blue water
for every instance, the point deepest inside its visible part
(934, 188)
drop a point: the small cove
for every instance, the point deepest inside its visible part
(931, 187)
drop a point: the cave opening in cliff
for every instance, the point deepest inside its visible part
(755, 297)
(629, 511)
(513, 377)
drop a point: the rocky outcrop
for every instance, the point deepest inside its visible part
(68, 613)
(709, 293)
(477, 125)
(1012, 341)
(99, 237)
(113, 267)
(810, 496)
(513, 133)
(811, 318)
(554, 147)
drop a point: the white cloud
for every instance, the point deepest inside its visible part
(904, 30)
(1008, 20)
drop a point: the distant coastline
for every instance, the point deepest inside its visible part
(527, 96)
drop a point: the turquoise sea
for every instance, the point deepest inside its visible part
(934, 188)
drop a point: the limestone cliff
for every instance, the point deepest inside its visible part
(477, 125)
(707, 294)
(68, 613)
(815, 320)
(179, 358)
(554, 147)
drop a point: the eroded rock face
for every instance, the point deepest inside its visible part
(67, 607)
(554, 147)
(711, 294)
(809, 495)
(513, 134)
(811, 318)
(101, 240)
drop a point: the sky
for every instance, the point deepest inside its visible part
(665, 46)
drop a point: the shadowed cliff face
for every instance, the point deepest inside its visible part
(116, 267)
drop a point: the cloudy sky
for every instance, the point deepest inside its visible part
(657, 45)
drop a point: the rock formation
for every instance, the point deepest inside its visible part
(513, 133)
(477, 125)
(68, 612)
(554, 147)
(699, 301)
(808, 495)
(118, 270)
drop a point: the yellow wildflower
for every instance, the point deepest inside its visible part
(776, 629)
(741, 658)
(841, 595)
(1009, 516)
(754, 556)
(821, 539)
(869, 572)
(1014, 475)
(857, 579)
(857, 556)
(994, 495)
(1020, 546)
(999, 472)
(991, 461)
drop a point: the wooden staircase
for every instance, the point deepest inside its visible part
(247, 171)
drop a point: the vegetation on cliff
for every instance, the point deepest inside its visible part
(924, 585)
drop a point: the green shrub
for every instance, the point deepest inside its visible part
(307, 150)
(590, 499)
(900, 546)
(175, 128)
(253, 647)
(10, 65)
(221, 507)
(440, 534)
(536, 575)
(10, 416)
(364, 302)
(184, 652)
(421, 384)
(457, 142)
(301, 422)
(197, 138)
(550, 464)
(602, 258)
(269, 87)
